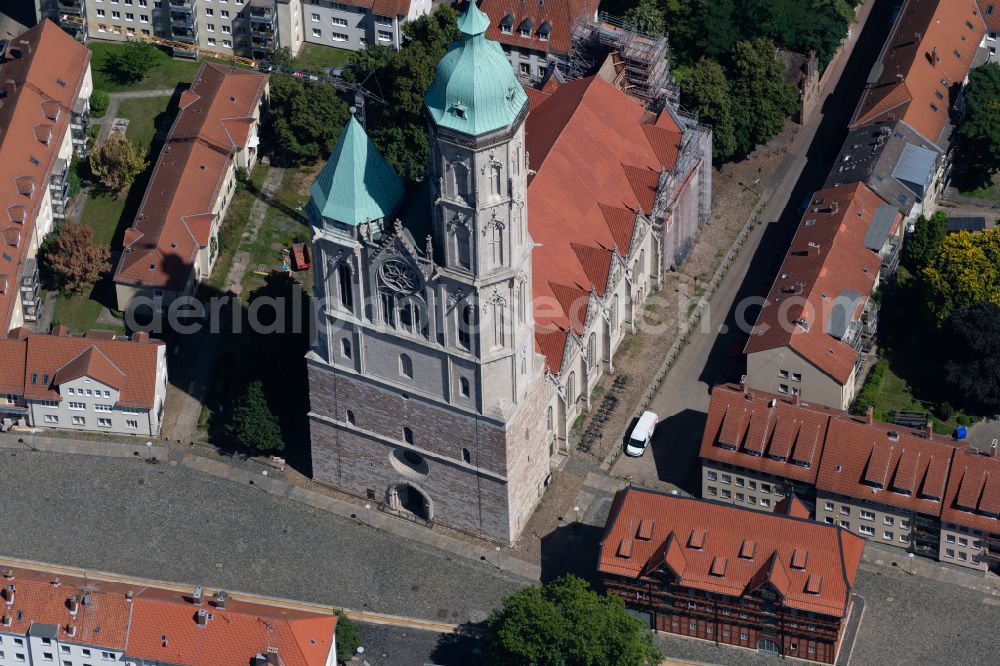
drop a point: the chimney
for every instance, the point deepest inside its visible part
(71, 630)
(870, 415)
(8, 594)
(73, 604)
(56, 582)
(202, 617)
(7, 620)
(930, 429)
(220, 599)
(196, 597)
(129, 596)
(796, 397)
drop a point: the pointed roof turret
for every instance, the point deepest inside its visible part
(475, 90)
(356, 184)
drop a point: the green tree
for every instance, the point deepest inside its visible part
(974, 369)
(923, 245)
(648, 17)
(116, 163)
(348, 637)
(565, 623)
(980, 131)
(253, 426)
(131, 61)
(99, 102)
(282, 57)
(398, 128)
(965, 271)
(761, 98)
(304, 120)
(705, 92)
(73, 260)
(702, 28)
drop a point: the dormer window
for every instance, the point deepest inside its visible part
(458, 109)
(526, 26)
(507, 24)
(543, 31)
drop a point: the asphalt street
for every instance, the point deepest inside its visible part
(169, 523)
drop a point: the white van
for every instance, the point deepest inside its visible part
(641, 434)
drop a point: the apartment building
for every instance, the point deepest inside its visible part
(45, 87)
(97, 381)
(85, 621)
(819, 320)
(884, 483)
(990, 11)
(173, 242)
(757, 451)
(778, 584)
(536, 35)
(353, 24)
(900, 487)
(970, 516)
(899, 136)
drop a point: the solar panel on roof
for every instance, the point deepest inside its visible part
(955, 224)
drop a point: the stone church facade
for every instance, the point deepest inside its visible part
(435, 389)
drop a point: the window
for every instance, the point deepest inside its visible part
(752, 485)
(525, 32)
(845, 510)
(209, 11)
(866, 530)
(132, 424)
(783, 388)
(712, 491)
(463, 384)
(743, 634)
(317, 32)
(338, 37)
(226, 30)
(227, 43)
(712, 475)
(888, 536)
(739, 482)
(739, 497)
(79, 420)
(888, 520)
(405, 366)
(116, 15)
(765, 487)
(466, 455)
(107, 656)
(103, 408)
(210, 27)
(104, 423)
(211, 42)
(962, 556)
(904, 539)
(345, 348)
(51, 418)
(143, 18)
(751, 499)
(315, 18)
(64, 649)
(949, 552)
(867, 515)
(100, 13)
(726, 494)
(384, 36)
(726, 633)
(129, 17)
(962, 541)
(505, 29)
(726, 478)
(846, 525)
(828, 506)
(765, 501)
(339, 22)
(407, 435)
(77, 405)
(225, 14)
(783, 374)
(525, 69)
(828, 520)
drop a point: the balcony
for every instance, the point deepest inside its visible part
(30, 290)
(188, 35)
(178, 20)
(186, 6)
(261, 28)
(73, 7)
(261, 42)
(261, 15)
(890, 254)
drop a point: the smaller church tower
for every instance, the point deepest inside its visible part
(427, 395)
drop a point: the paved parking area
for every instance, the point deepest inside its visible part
(396, 646)
(170, 523)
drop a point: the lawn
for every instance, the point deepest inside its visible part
(314, 57)
(233, 226)
(284, 224)
(109, 216)
(147, 115)
(166, 72)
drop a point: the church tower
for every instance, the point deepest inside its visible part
(427, 396)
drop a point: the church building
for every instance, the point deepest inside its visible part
(463, 323)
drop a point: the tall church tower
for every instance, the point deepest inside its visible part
(427, 395)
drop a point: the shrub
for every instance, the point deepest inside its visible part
(868, 395)
(99, 102)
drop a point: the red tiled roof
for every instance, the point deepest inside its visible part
(160, 625)
(785, 439)
(578, 216)
(175, 217)
(391, 7)
(919, 61)
(992, 18)
(12, 368)
(827, 257)
(792, 506)
(127, 365)
(232, 637)
(41, 86)
(712, 561)
(973, 495)
(560, 14)
(886, 463)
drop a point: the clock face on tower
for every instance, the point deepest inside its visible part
(400, 276)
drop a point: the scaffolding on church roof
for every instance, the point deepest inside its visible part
(643, 57)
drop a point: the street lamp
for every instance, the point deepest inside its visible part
(909, 556)
(498, 557)
(149, 450)
(361, 651)
(577, 510)
(368, 509)
(264, 474)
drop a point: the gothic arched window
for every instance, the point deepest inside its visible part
(463, 249)
(346, 286)
(466, 323)
(405, 366)
(459, 184)
(570, 390)
(499, 322)
(591, 349)
(496, 186)
(614, 313)
(496, 244)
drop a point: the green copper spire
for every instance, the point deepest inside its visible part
(475, 90)
(356, 184)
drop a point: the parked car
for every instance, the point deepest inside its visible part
(641, 434)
